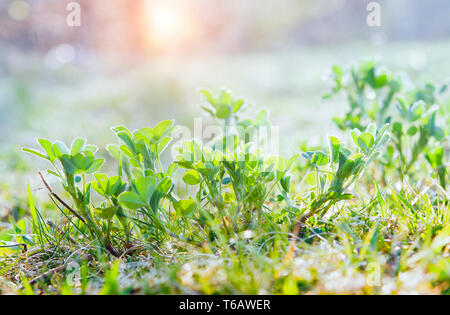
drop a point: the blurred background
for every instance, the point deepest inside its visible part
(137, 62)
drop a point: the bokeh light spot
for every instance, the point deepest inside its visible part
(168, 23)
(60, 55)
(18, 10)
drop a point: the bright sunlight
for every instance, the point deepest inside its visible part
(169, 23)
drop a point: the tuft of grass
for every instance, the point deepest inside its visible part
(365, 216)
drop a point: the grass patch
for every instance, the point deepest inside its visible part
(366, 214)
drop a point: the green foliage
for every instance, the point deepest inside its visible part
(111, 285)
(147, 184)
(370, 89)
(224, 107)
(371, 92)
(336, 171)
(257, 214)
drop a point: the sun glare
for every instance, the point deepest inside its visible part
(168, 24)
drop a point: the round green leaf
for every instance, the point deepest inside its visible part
(131, 200)
(185, 207)
(192, 178)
